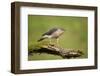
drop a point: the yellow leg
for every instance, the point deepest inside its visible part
(49, 41)
(57, 42)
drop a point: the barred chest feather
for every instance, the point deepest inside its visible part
(56, 34)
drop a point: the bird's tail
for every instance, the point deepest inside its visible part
(41, 39)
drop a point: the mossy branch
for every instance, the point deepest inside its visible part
(55, 50)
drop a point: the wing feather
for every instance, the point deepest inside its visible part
(50, 31)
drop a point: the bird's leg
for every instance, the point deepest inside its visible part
(57, 42)
(49, 41)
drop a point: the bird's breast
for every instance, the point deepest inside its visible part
(57, 33)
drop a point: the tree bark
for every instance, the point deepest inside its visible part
(55, 50)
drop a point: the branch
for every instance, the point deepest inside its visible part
(55, 50)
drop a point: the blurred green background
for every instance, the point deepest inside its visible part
(75, 36)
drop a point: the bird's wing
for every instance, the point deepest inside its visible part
(50, 31)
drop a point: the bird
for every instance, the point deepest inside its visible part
(53, 33)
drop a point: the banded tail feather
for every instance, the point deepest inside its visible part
(41, 39)
(44, 37)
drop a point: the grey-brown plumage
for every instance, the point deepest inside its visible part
(53, 33)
